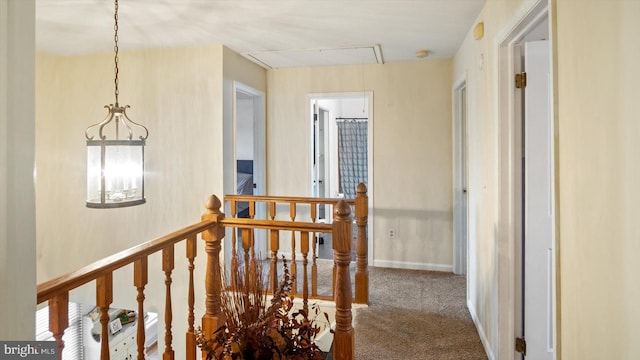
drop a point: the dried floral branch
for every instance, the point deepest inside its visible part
(255, 331)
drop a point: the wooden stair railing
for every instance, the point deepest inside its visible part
(295, 205)
(56, 291)
(212, 227)
(340, 229)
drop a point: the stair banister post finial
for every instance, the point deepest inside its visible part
(213, 236)
(344, 338)
(213, 205)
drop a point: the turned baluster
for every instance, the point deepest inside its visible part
(344, 348)
(252, 240)
(314, 254)
(304, 249)
(234, 245)
(275, 246)
(192, 249)
(59, 318)
(213, 317)
(104, 298)
(246, 245)
(294, 267)
(140, 279)
(362, 267)
(274, 237)
(252, 209)
(272, 210)
(167, 267)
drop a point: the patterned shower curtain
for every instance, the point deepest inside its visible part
(352, 155)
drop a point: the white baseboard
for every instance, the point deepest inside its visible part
(287, 256)
(386, 263)
(483, 336)
(412, 265)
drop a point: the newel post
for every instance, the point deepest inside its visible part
(213, 317)
(344, 339)
(362, 266)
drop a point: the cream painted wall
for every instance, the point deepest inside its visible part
(236, 68)
(17, 154)
(476, 61)
(599, 165)
(411, 151)
(178, 95)
(596, 57)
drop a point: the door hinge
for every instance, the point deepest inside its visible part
(521, 346)
(521, 80)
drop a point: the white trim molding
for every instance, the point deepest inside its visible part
(412, 265)
(483, 337)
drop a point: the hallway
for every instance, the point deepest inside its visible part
(416, 315)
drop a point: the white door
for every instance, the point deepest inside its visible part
(538, 204)
(460, 194)
(320, 158)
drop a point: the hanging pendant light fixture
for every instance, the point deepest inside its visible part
(115, 160)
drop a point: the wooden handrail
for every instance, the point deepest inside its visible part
(287, 199)
(75, 279)
(275, 225)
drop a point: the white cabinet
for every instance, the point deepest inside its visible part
(123, 345)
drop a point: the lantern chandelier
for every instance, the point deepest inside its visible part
(115, 160)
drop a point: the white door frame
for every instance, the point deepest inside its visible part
(316, 139)
(311, 98)
(509, 183)
(259, 144)
(322, 162)
(460, 186)
(259, 157)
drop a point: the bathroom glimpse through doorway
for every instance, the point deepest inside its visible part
(341, 130)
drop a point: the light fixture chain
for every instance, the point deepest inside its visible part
(115, 48)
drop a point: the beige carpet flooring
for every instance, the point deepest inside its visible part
(416, 315)
(412, 314)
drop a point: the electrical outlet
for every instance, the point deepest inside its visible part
(391, 233)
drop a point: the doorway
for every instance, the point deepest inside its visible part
(460, 178)
(249, 153)
(527, 181)
(537, 210)
(347, 117)
(321, 169)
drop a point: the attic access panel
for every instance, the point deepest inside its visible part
(317, 57)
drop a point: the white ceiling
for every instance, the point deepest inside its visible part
(274, 33)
